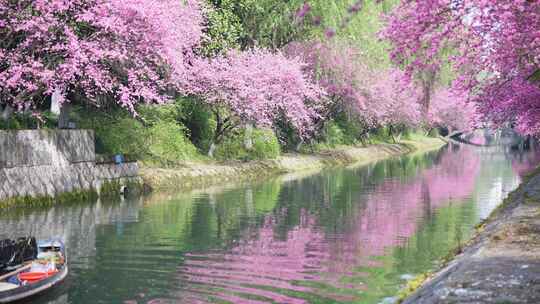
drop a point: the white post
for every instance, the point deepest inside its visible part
(6, 114)
(56, 105)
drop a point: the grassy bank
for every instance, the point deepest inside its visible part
(192, 175)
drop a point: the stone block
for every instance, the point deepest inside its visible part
(46, 147)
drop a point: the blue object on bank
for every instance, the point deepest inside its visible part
(118, 159)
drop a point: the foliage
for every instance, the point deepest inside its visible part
(496, 52)
(275, 24)
(28, 120)
(259, 23)
(265, 146)
(224, 28)
(130, 51)
(121, 136)
(343, 130)
(154, 114)
(192, 115)
(357, 22)
(198, 120)
(334, 135)
(168, 145)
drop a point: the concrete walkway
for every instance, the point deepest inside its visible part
(501, 264)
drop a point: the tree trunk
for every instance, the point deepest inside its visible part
(217, 134)
(391, 133)
(427, 82)
(248, 137)
(63, 118)
(299, 145)
(212, 150)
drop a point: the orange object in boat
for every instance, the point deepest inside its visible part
(32, 277)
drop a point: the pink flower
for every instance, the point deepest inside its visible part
(151, 41)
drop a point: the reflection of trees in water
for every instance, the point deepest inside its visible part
(75, 224)
(259, 261)
(308, 240)
(523, 162)
(78, 225)
(392, 212)
(326, 226)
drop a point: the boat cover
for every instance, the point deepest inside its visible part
(16, 252)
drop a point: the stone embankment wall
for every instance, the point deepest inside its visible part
(48, 163)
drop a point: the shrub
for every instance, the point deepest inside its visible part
(153, 114)
(11, 124)
(265, 146)
(334, 135)
(125, 136)
(29, 120)
(160, 140)
(169, 145)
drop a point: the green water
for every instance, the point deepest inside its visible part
(351, 235)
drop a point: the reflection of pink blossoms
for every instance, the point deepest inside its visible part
(260, 263)
(523, 163)
(393, 211)
(263, 261)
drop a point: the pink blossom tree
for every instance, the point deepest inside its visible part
(493, 45)
(338, 68)
(395, 103)
(130, 51)
(134, 51)
(375, 97)
(256, 87)
(451, 111)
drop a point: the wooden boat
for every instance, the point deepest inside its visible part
(24, 281)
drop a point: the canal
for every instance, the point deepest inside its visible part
(349, 235)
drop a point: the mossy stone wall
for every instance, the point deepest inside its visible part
(43, 165)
